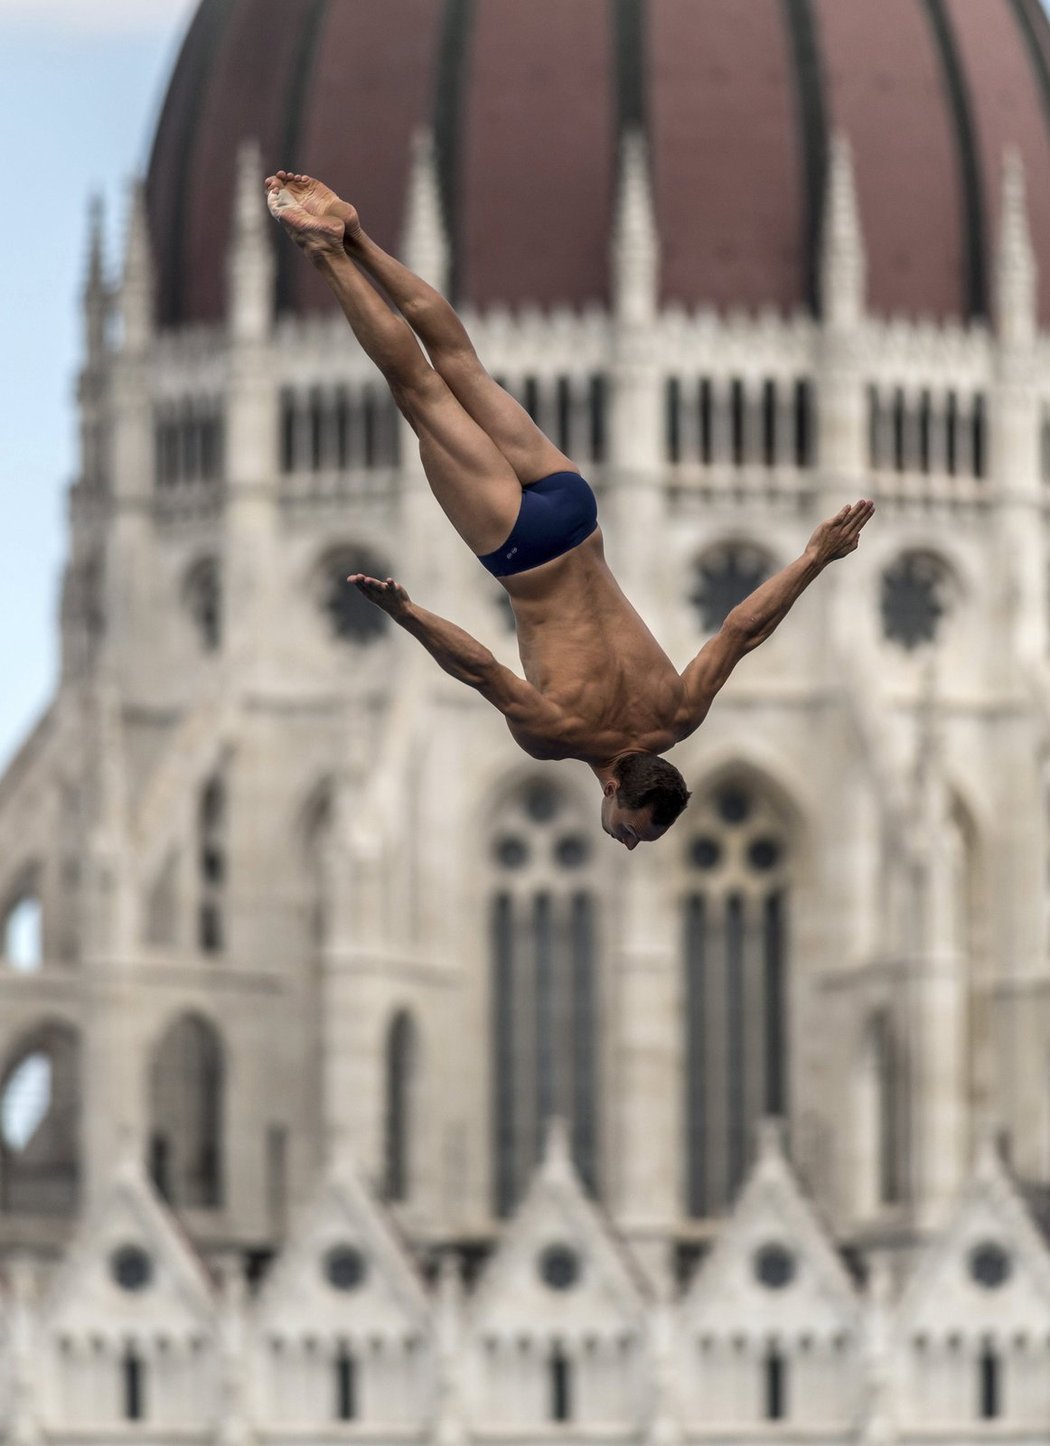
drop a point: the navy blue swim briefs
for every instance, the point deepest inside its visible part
(555, 515)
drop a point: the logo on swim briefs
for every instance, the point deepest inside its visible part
(512, 552)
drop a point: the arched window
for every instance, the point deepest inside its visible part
(353, 619)
(724, 576)
(40, 1124)
(400, 1106)
(202, 594)
(22, 933)
(736, 960)
(544, 987)
(881, 1126)
(187, 1087)
(916, 593)
(211, 861)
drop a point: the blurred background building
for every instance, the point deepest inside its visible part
(353, 1084)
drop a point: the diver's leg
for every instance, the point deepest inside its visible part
(529, 450)
(471, 479)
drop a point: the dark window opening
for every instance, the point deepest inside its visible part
(979, 437)
(899, 428)
(736, 416)
(990, 1385)
(316, 414)
(925, 426)
(564, 405)
(560, 1368)
(532, 398)
(345, 1386)
(371, 428)
(951, 435)
(769, 423)
(342, 428)
(160, 1165)
(874, 428)
(775, 1386)
(287, 431)
(210, 933)
(133, 1374)
(672, 418)
(705, 402)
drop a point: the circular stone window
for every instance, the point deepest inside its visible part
(764, 854)
(345, 1267)
(559, 1267)
(511, 852)
(706, 853)
(541, 802)
(352, 617)
(733, 805)
(990, 1265)
(131, 1267)
(774, 1266)
(572, 851)
(725, 576)
(914, 598)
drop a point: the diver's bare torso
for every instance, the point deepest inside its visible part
(584, 647)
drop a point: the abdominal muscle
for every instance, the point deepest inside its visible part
(585, 648)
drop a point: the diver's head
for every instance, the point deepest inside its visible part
(642, 799)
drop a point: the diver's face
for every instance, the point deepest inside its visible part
(629, 826)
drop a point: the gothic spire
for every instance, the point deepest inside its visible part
(136, 289)
(424, 242)
(636, 259)
(1016, 272)
(843, 262)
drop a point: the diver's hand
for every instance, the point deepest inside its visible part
(840, 534)
(389, 595)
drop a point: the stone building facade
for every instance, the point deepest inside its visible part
(352, 1084)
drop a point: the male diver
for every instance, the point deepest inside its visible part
(597, 684)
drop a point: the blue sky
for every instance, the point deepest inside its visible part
(80, 85)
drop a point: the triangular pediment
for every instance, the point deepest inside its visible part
(774, 1267)
(344, 1268)
(559, 1266)
(131, 1268)
(988, 1270)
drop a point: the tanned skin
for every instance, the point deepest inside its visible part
(597, 685)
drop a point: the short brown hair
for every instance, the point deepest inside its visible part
(648, 781)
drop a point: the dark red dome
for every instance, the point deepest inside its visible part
(528, 98)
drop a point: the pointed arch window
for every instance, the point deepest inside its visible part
(735, 946)
(187, 1097)
(40, 1091)
(22, 932)
(211, 866)
(544, 988)
(401, 1096)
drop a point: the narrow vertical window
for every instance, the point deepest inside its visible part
(899, 427)
(705, 402)
(345, 1385)
(775, 1372)
(737, 402)
(288, 430)
(979, 434)
(160, 1164)
(400, 1065)
(584, 1033)
(925, 429)
(532, 397)
(133, 1380)
(370, 427)
(951, 434)
(560, 1373)
(503, 1062)
(696, 1063)
(598, 407)
(775, 1005)
(989, 1385)
(736, 1042)
(546, 1017)
(316, 414)
(673, 418)
(277, 1176)
(341, 419)
(769, 423)
(564, 404)
(212, 864)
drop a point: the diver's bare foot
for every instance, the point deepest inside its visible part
(317, 199)
(317, 235)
